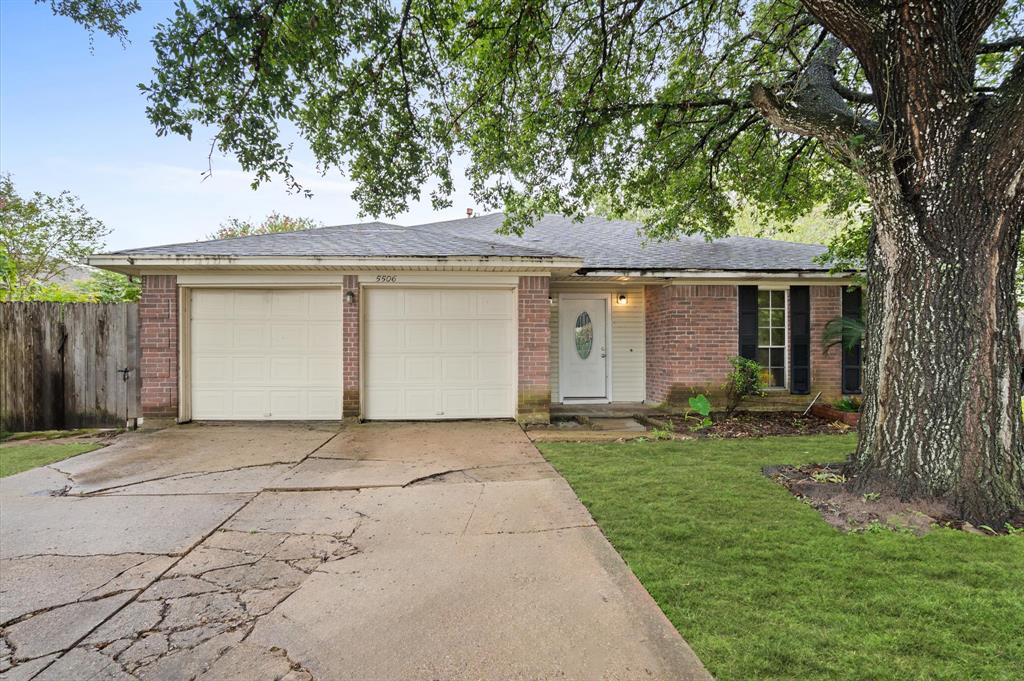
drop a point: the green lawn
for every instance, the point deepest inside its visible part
(762, 588)
(22, 457)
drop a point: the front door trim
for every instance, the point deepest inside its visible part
(607, 298)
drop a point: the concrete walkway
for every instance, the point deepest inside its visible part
(399, 551)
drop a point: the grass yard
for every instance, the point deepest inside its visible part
(15, 458)
(763, 588)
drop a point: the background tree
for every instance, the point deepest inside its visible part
(688, 109)
(42, 236)
(273, 223)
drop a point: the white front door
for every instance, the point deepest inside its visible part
(584, 352)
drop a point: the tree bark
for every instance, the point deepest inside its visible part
(942, 414)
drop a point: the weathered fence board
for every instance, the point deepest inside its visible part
(62, 365)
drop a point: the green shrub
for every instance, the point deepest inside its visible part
(847, 404)
(744, 381)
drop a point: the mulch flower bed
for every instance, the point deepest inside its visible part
(761, 423)
(829, 489)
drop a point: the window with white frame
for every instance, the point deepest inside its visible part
(771, 337)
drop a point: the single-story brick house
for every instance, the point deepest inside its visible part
(451, 320)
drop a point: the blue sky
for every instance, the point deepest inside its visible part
(71, 119)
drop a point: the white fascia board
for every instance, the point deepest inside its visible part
(137, 264)
(716, 276)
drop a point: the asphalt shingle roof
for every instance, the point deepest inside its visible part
(600, 243)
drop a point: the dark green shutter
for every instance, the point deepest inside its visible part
(748, 321)
(852, 356)
(800, 340)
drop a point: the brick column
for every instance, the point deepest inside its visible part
(158, 346)
(534, 350)
(691, 332)
(350, 347)
(826, 370)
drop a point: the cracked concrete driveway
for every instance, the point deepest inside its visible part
(296, 551)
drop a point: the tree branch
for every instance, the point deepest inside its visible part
(1000, 45)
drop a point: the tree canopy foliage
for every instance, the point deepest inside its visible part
(272, 224)
(42, 235)
(648, 103)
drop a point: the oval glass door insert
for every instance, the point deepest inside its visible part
(584, 335)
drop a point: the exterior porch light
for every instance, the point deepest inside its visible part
(622, 299)
(350, 297)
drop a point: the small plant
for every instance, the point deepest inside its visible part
(660, 434)
(743, 381)
(699, 412)
(868, 497)
(851, 404)
(1010, 529)
(829, 477)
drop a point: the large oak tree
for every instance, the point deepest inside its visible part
(685, 109)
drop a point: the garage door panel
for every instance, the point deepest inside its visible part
(323, 404)
(493, 370)
(494, 336)
(271, 355)
(388, 369)
(249, 336)
(420, 369)
(459, 402)
(459, 336)
(249, 370)
(495, 304)
(441, 353)
(325, 337)
(323, 370)
(458, 304)
(289, 337)
(420, 305)
(249, 404)
(285, 370)
(324, 306)
(493, 401)
(213, 305)
(251, 305)
(290, 305)
(458, 369)
(419, 336)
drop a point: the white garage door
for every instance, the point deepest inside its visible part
(439, 353)
(266, 354)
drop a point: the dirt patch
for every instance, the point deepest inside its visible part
(760, 424)
(828, 488)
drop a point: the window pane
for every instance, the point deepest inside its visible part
(778, 377)
(777, 357)
(764, 316)
(762, 356)
(778, 318)
(762, 298)
(584, 335)
(764, 335)
(778, 336)
(778, 299)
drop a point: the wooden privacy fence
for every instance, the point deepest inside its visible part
(69, 365)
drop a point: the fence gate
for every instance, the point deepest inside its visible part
(68, 365)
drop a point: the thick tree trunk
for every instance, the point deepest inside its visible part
(942, 415)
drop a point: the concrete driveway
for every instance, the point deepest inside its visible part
(380, 551)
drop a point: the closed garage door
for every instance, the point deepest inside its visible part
(439, 353)
(266, 354)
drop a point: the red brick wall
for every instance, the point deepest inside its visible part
(534, 351)
(826, 370)
(350, 348)
(692, 331)
(158, 345)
